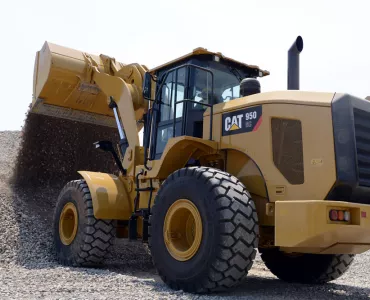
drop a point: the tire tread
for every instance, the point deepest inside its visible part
(98, 235)
(236, 251)
(308, 268)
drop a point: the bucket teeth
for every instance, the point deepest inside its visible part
(71, 114)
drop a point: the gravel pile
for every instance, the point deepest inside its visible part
(28, 269)
(52, 150)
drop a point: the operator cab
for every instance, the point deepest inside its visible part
(185, 88)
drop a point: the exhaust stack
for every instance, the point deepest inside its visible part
(293, 63)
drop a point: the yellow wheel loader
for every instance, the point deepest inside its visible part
(223, 169)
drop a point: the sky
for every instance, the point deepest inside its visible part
(335, 58)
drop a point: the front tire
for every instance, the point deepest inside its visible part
(80, 239)
(306, 268)
(217, 205)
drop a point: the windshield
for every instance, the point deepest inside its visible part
(226, 85)
(226, 82)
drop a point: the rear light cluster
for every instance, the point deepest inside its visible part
(339, 215)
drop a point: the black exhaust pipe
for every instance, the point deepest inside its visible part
(293, 64)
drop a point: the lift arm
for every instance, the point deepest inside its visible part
(121, 93)
(76, 85)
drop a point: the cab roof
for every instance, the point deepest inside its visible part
(204, 51)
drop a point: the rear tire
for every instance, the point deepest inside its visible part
(90, 241)
(229, 230)
(306, 268)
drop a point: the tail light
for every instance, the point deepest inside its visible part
(339, 215)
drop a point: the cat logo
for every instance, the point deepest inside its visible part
(234, 127)
(233, 123)
(241, 121)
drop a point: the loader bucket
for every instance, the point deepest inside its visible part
(62, 87)
(67, 115)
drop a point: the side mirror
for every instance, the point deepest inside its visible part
(147, 86)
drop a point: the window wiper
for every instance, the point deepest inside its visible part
(236, 73)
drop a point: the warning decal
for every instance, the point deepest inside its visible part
(241, 121)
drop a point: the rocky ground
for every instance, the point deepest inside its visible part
(28, 269)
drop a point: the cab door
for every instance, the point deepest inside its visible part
(201, 95)
(170, 115)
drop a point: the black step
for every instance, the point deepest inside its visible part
(132, 228)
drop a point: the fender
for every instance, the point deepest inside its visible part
(109, 196)
(177, 152)
(242, 166)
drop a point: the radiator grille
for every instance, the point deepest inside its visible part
(288, 149)
(362, 133)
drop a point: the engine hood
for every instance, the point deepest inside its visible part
(284, 97)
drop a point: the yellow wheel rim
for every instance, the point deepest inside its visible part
(68, 223)
(182, 230)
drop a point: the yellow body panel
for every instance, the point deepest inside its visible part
(282, 97)
(245, 169)
(304, 226)
(317, 139)
(177, 152)
(109, 195)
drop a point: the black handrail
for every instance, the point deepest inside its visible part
(163, 80)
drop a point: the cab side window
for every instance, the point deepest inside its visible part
(173, 90)
(231, 93)
(202, 88)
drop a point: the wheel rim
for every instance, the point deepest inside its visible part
(182, 230)
(68, 223)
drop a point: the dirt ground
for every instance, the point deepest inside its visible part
(28, 269)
